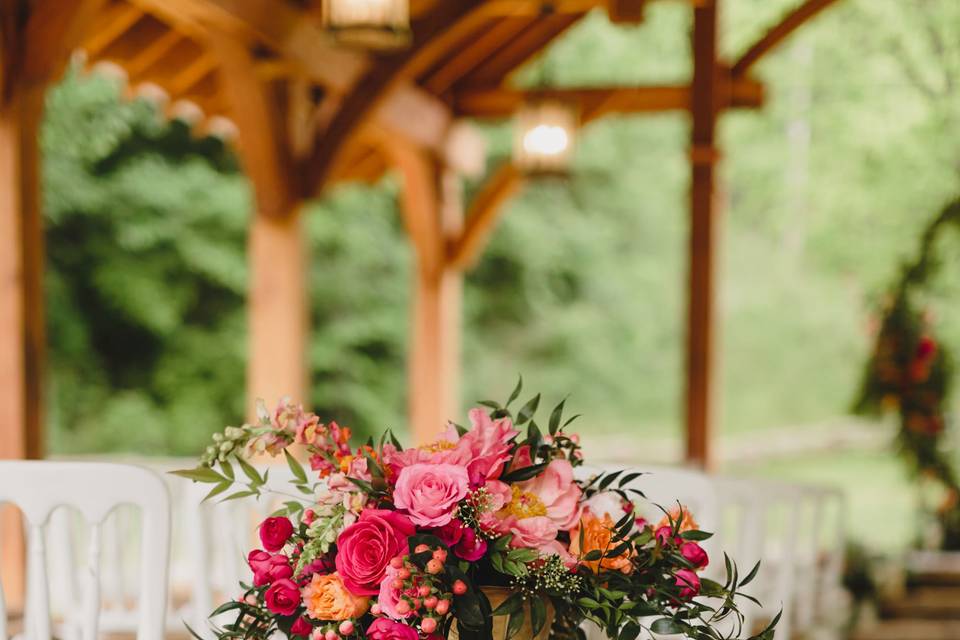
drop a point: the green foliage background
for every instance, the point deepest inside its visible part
(583, 286)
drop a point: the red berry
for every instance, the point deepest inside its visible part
(434, 566)
(443, 606)
(428, 625)
(440, 554)
(397, 562)
(459, 587)
(403, 574)
(420, 548)
(403, 607)
(430, 602)
(346, 627)
(424, 590)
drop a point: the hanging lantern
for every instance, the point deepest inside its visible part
(372, 24)
(544, 136)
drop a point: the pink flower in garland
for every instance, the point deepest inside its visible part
(274, 533)
(541, 507)
(283, 597)
(688, 582)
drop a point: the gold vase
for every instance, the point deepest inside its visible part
(496, 596)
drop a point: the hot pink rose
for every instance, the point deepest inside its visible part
(268, 568)
(489, 445)
(429, 493)
(301, 627)
(688, 583)
(463, 541)
(274, 533)
(283, 597)
(387, 629)
(694, 554)
(541, 507)
(365, 548)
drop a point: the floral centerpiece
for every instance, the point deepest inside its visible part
(486, 532)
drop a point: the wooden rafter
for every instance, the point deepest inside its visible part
(483, 214)
(112, 23)
(790, 23)
(256, 111)
(538, 34)
(434, 35)
(152, 53)
(501, 102)
(481, 48)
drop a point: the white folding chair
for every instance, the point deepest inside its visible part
(93, 491)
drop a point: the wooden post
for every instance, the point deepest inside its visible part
(432, 208)
(700, 310)
(277, 311)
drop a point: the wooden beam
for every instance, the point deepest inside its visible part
(626, 11)
(431, 206)
(480, 49)
(277, 310)
(22, 326)
(703, 238)
(53, 31)
(151, 54)
(255, 110)
(433, 36)
(790, 23)
(485, 211)
(539, 34)
(112, 23)
(501, 102)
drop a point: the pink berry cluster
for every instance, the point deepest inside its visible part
(335, 631)
(423, 592)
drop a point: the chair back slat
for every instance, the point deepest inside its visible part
(91, 604)
(92, 490)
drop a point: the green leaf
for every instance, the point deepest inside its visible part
(596, 554)
(630, 631)
(240, 494)
(491, 404)
(608, 480)
(200, 474)
(394, 441)
(629, 478)
(511, 604)
(227, 469)
(751, 575)
(696, 535)
(538, 614)
(524, 473)
(528, 410)
(665, 626)
(588, 603)
(515, 623)
(295, 468)
(217, 490)
(363, 484)
(467, 610)
(555, 416)
(251, 473)
(516, 391)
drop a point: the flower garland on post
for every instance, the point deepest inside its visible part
(910, 372)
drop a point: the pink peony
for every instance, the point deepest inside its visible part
(283, 597)
(688, 583)
(694, 554)
(274, 533)
(489, 445)
(429, 493)
(387, 629)
(365, 548)
(268, 568)
(541, 507)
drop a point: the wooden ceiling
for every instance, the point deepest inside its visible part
(332, 105)
(319, 113)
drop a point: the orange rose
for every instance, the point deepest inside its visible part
(598, 536)
(687, 524)
(326, 598)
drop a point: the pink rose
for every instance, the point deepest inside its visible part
(386, 629)
(274, 533)
(390, 596)
(429, 493)
(365, 548)
(268, 568)
(283, 597)
(664, 535)
(540, 507)
(694, 554)
(489, 445)
(301, 627)
(688, 583)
